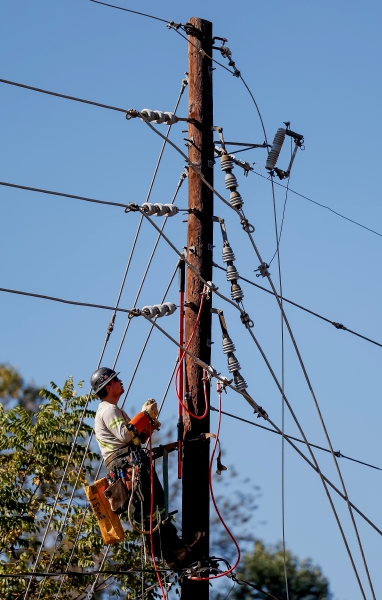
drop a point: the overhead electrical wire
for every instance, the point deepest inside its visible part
(258, 255)
(254, 405)
(135, 12)
(76, 99)
(184, 83)
(183, 86)
(321, 205)
(338, 453)
(294, 343)
(91, 435)
(336, 325)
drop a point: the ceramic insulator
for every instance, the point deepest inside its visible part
(275, 150)
(228, 345)
(232, 273)
(239, 382)
(236, 200)
(230, 181)
(236, 292)
(233, 363)
(148, 208)
(228, 254)
(171, 308)
(226, 163)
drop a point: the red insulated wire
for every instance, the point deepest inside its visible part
(199, 417)
(219, 389)
(151, 517)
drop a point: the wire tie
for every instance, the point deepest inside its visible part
(263, 270)
(131, 207)
(132, 113)
(246, 320)
(247, 226)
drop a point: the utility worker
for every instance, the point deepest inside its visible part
(119, 439)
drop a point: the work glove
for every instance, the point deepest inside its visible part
(151, 409)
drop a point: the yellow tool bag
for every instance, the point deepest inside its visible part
(109, 523)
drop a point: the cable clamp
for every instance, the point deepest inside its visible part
(260, 412)
(132, 207)
(224, 381)
(247, 225)
(246, 320)
(208, 288)
(172, 25)
(263, 270)
(134, 312)
(132, 113)
(338, 325)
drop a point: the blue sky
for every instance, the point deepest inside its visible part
(314, 64)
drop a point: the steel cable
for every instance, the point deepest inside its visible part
(285, 319)
(256, 407)
(110, 329)
(123, 403)
(338, 453)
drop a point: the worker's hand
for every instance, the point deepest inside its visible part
(156, 424)
(150, 407)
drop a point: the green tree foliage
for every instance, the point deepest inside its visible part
(265, 568)
(35, 449)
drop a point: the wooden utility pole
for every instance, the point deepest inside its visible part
(195, 500)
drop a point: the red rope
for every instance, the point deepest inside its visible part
(199, 417)
(151, 517)
(219, 390)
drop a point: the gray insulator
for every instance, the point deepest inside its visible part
(159, 209)
(171, 210)
(148, 113)
(148, 208)
(160, 117)
(149, 311)
(226, 163)
(236, 200)
(171, 118)
(233, 363)
(161, 310)
(236, 292)
(275, 150)
(228, 345)
(228, 255)
(239, 382)
(232, 273)
(171, 308)
(230, 181)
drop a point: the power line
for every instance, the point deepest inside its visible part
(54, 193)
(42, 91)
(291, 437)
(321, 419)
(334, 323)
(135, 12)
(72, 302)
(182, 177)
(321, 205)
(211, 371)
